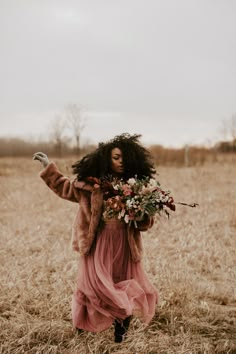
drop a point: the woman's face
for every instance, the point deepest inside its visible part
(117, 161)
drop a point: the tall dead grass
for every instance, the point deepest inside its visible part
(190, 258)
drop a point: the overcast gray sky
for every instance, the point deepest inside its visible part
(162, 68)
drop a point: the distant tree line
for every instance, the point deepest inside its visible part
(228, 131)
(226, 146)
(17, 147)
(186, 156)
(73, 121)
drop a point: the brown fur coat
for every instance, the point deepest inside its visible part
(88, 219)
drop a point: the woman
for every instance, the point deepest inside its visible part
(112, 285)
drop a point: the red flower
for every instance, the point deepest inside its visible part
(115, 203)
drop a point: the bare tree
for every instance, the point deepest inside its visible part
(58, 133)
(75, 120)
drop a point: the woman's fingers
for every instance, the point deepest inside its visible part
(39, 156)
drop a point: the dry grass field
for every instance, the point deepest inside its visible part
(190, 258)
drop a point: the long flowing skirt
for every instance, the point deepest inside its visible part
(110, 285)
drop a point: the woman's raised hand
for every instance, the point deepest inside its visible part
(42, 158)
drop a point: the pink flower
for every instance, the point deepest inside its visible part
(126, 190)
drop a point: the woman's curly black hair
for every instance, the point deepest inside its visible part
(137, 160)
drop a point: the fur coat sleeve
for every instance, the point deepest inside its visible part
(60, 184)
(90, 201)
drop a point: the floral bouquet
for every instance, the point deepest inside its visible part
(131, 200)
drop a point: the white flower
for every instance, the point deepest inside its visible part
(153, 182)
(164, 198)
(129, 203)
(126, 219)
(131, 181)
(121, 213)
(116, 187)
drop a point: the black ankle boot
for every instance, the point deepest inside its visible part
(79, 330)
(121, 328)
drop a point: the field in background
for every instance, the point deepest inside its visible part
(190, 258)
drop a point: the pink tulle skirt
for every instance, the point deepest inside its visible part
(110, 285)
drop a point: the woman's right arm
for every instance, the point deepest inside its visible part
(55, 180)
